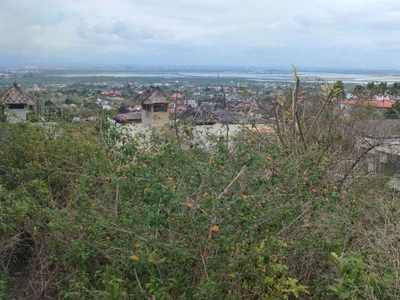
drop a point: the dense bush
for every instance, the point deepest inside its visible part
(84, 219)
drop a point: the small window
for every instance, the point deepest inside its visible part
(16, 106)
(160, 107)
(146, 107)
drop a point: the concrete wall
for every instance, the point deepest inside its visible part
(160, 118)
(201, 134)
(16, 115)
(146, 117)
(154, 118)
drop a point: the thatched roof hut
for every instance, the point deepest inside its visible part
(154, 107)
(154, 95)
(14, 95)
(14, 103)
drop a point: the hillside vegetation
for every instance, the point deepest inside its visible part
(264, 217)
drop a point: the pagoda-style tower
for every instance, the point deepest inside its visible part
(154, 107)
(14, 104)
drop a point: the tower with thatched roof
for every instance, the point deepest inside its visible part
(15, 104)
(154, 107)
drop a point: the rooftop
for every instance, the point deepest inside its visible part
(14, 95)
(385, 103)
(154, 95)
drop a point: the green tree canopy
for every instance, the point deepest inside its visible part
(394, 111)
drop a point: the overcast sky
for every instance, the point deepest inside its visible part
(268, 33)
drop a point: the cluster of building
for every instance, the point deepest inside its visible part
(112, 94)
(157, 108)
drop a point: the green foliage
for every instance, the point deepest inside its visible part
(2, 285)
(355, 278)
(360, 91)
(394, 111)
(339, 90)
(100, 214)
(120, 223)
(122, 109)
(48, 103)
(394, 90)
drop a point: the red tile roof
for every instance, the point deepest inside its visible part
(176, 96)
(385, 103)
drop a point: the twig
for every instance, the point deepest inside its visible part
(343, 180)
(226, 112)
(175, 125)
(319, 113)
(120, 229)
(294, 221)
(300, 130)
(204, 264)
(294, 98)
(140, 285)
(278, 128)
(116, 200)
(232, 182)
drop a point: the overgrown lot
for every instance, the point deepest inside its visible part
(82, 219)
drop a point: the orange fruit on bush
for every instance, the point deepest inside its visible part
(215, 229)
(134, 257)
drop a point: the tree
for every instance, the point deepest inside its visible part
(339, 89)
(371, 89)
(394, 111)
(48, 103)
(382, 89)
(360, 91)
(122, 109)
(395, 90)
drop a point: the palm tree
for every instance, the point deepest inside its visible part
(382, 89)
(359, 91)
(340, 90)
(372, 90)
(394, 91)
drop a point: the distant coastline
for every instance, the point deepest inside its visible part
(256, 76)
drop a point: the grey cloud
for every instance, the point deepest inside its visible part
(117, 31)
(346, 27)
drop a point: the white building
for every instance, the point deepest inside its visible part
(190, 103)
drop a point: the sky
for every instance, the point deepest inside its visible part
(265, 33)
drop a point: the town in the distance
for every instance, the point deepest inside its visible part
(198, 95)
